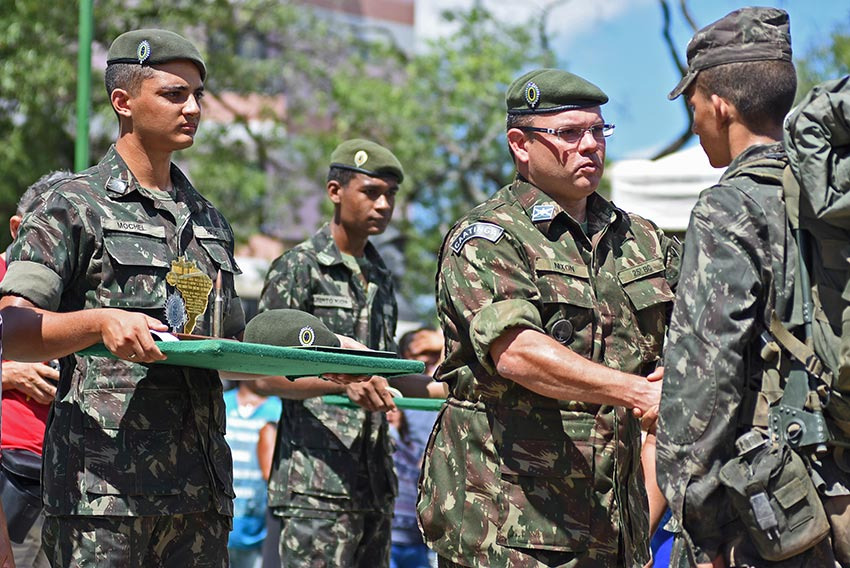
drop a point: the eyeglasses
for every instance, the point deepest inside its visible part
(572, 134)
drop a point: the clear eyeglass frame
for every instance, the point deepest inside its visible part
(573, 134)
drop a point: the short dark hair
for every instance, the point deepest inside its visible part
(344, 175)
(518, 121)
(33, 194)
(127, 76)
(341, 175)
(762, 91)
(406, 339)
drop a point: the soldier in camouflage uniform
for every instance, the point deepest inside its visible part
(738, 266)
(136, 468)
(554, 305)
(332, 479)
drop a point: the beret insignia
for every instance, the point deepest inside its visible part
(532, 94)
(306, 336)
(360, 158)
(487, 231)
(143, 51)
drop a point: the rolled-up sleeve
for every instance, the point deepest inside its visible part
(485, 287)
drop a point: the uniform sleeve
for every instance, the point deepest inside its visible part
(43, 259)
(714, 320)
(288, 284)
(484, 291)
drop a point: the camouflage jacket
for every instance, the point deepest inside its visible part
(127, 439)
(512, 477)
(330, 458)
(738, 266)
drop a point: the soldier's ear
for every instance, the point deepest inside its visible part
(724, 111)
(517, 141)
(334, 190)
(120, 100)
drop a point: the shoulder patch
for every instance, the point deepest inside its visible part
(542, 213)
(487, 231)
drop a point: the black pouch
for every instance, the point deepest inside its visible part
(772, 491)
(20, 491)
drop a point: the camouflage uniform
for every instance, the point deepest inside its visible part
(739, 259)
(512, 478)
(333, 466)
(127, 440)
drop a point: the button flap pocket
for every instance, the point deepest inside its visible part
(136, 248)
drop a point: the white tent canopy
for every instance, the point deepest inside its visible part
(664, 190)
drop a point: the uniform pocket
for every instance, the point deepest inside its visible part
(134, 270)
(322, 472)
(567, 310)
(133, 442)
(546, 483)
(218, 251)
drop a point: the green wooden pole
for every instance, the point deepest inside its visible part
(86, 24)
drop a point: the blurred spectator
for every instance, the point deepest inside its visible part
(424, 344)
(265, 454)
(28, 391)
(409, 430)
(247, 414)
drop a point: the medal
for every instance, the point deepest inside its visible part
(194, 293)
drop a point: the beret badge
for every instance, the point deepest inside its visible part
(143, 52)
(532, 94)
(360, 158)
(306, 336)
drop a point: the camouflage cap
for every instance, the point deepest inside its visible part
(551, 90)
(152, 47)
(368, 158)
(748, 34)
(289, 328)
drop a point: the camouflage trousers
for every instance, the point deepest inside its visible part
(195, 540)
(337, 540)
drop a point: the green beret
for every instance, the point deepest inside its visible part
(368, 158)
(748, 34)
(152, 47)
(289, 328)
(551, 90)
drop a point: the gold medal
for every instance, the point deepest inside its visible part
(194, 287)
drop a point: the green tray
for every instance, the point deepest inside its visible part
(259, 359)
(403, 403)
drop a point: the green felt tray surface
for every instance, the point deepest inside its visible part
(240, 357)
(404, 403)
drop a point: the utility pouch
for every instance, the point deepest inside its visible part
(771, 489)
(20, 491)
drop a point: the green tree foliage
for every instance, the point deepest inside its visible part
(440, 108)
(829, 60)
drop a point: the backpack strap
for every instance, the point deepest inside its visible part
(799, 350)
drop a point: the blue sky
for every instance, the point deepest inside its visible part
(626, 56)
(617, 44)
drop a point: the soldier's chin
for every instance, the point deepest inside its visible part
(184, 142)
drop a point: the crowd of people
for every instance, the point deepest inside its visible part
(577, 342)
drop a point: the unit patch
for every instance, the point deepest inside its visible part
(542, 213)
(487, 231)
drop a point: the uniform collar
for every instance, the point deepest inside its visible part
(551, 219)
(753, 153)
(328, 254)
(120, 182)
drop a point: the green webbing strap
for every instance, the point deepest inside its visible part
(403, 403)
(798, 350)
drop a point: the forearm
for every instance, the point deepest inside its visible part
(657, 503)
(33, 334)
(541, 364)
(298, 389)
